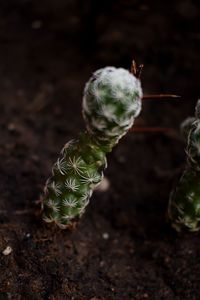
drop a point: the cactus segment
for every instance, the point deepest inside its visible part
(184, 204)
(111, 101)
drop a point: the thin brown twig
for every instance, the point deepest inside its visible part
(133, 68)
(136, 70)
(18, 212)
(152, 129)
(160, 96)
(139, 71)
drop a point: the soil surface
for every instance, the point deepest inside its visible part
(123, 247)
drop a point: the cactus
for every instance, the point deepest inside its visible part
(184, 204)
(111, 101)
(186, 126)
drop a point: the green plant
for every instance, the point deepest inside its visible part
(184, 204)
(111, 101)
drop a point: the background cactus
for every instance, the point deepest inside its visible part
(112, 99)
(184, 204)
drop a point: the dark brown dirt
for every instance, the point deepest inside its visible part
(48, 49)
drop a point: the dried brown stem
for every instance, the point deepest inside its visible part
(136, 70)
(160, 96)
(151, 129)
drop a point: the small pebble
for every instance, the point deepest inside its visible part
(103, 186)
(105, 236)
(36, 24)
(167, 259)
(11, 127)
(7, 250)
(102, 263)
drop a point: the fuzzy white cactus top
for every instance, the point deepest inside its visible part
(112, 99)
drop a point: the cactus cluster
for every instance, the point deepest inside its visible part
(184, 204)
(111, 101)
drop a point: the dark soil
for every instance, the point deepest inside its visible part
(48, 50)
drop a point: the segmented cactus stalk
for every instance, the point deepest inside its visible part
(111, 101)
(184, 204)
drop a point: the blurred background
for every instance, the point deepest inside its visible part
(49, 42)
(49, 48)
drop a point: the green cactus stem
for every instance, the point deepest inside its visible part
(184, 204)
(111, 102)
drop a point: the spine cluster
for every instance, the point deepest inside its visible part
(111, 101)
(184, 204)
